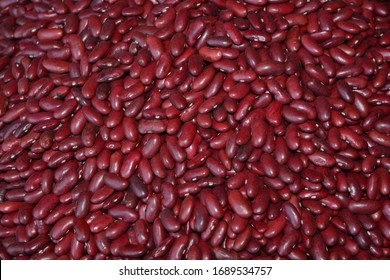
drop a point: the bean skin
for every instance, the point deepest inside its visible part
(288, 242)
(364, 207)
(169, 221)
(178, 248)
(292, 215)
(212, 204)
(275, 227)
(239, 205)
(45, 205)
(61, 227)
(311, 46)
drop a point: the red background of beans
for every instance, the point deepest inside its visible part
(139, 129)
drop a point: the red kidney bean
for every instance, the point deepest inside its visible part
(200, 217)
(225, 254)
(114, 181)
(287, 243)
(194, 253)
(239, 204)
(178, 248)
(308, 223)
(311, 46)
(269, 68)
(61, 227)
(82, 205)
(292, 214)
(186, 209)
(153, 208)
(81, 230)
(318, 250)
(129, 164)
(242, 239)
(116, 229)
(212, 204)
(169, 220)
(163, 248)
(168, 195)
(364, 207)
(293, 115)
(121, 211)
(275, 227)
(45, 205)
(238, 224)
(56, 66)
(187, 135)
(132, 251)
(138, 187)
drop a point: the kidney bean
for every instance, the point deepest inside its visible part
(212, 204)
(275, 227)
(68, 181)
(153, 208)
(237, 225)
(81, 230)
(293, 115)
(169, 195)
(178, 248)
(169, 220)
(311, 46)
(269, 68)
(239, 204)
(292, 214)
(61, 227)
(318, 250)
(56, 66)
(308, 223)
(45, 205)
(132, 251)
(187, 135)
(287, 243)
(353, 225)
(121, 211)
(138, 187)
(364, 207)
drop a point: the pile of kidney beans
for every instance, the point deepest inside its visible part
(220, 129)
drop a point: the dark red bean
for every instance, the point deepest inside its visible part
(177, 250)
(225, 254)
(292, 214)
(269, 68)
(169, 220)
(132, 251)
(287, 243)
(293, 115)
(364, 207)
(275, 227)
(200, 217)
(45, 205)
(116, 229)
(187, 135)
(212, 204)
(311, 46)
(239, 204)
(121, 211)
(318, 250)
(82, 205)
(61, 227)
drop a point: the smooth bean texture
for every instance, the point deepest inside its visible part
(194, 129)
